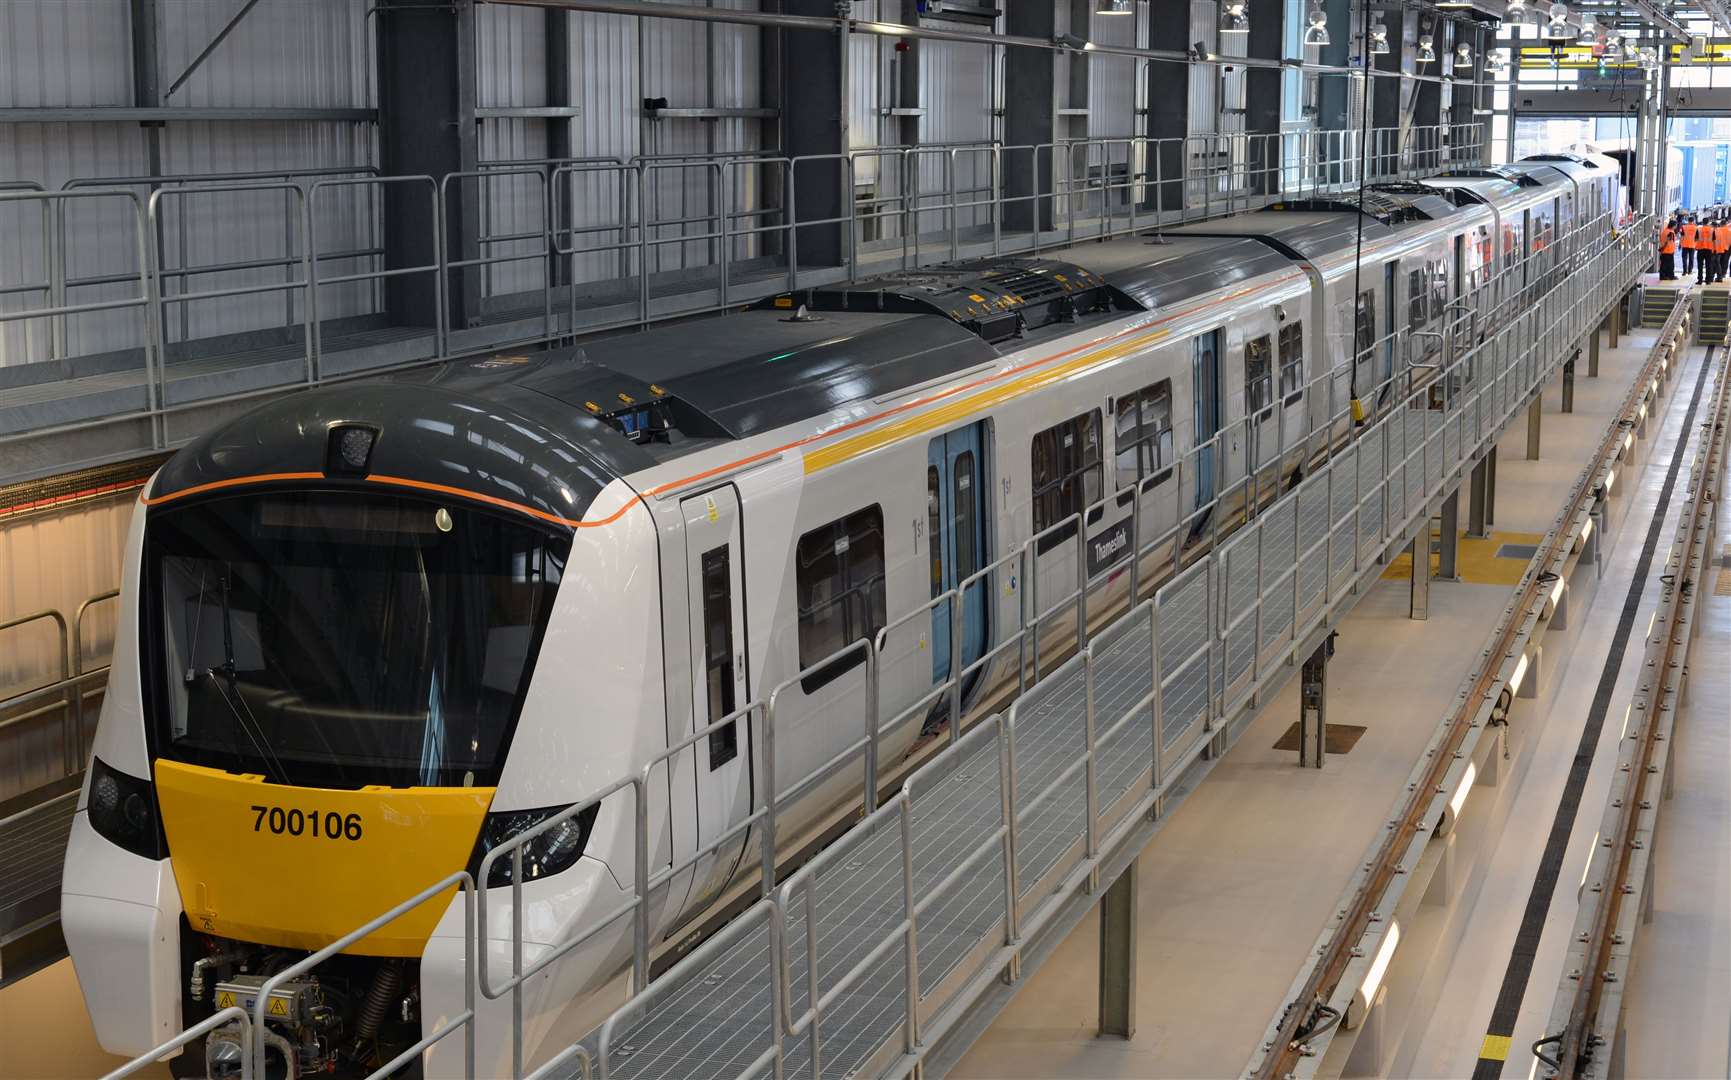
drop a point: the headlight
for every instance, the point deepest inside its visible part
(122, 809)
(547, 854)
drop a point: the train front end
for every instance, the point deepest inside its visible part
(335, 658)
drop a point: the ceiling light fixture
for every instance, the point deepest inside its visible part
(1115, 7)
(1426, 49)
(1317, 32)
(1379, 39)
(1463, 57)
(1234, 19)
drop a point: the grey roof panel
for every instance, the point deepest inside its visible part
(1307, 234)
(1161, 283)
(757, 370)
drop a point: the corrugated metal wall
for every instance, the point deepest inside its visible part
(311, 53)
(55, 561)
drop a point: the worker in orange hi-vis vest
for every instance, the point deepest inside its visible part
(1688, 231)
(1721, 247)
(1668, 252)
(1704, 250)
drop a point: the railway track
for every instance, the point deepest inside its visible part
(1589, 1000)
(1312, 1013)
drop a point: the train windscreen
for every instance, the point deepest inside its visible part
(341, 638)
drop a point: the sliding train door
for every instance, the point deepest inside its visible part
(956, 523)
(1205, 372)
(714, 554)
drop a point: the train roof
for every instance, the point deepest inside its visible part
(1495, 191)
(1308, 235)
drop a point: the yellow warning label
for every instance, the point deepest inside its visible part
(1496, 1048)
(279, 1007)
(225, 1000)
(709, 505)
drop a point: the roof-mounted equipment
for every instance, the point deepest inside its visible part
(995, 298)
(1389, 204)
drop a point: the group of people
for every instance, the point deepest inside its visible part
(1705, 240)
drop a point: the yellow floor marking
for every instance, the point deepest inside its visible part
(1496, 1048)
(1475, 560)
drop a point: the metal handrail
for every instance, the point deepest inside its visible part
(464, 1020)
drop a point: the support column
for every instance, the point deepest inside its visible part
(1617, 318)
(1334, 92)
(1491, 487)
(1534, 412)
(1478, 490)
(1168, 108)
(1385, 91)
(1569, 385)
(427, 127)
(815, 121)
(1418, 606)
(1448, 559)
(1262, 95)
(1118, 956)
(556, 45)
(1030, 83)
(1427, 96)
(1593, 354)
(1313, 705)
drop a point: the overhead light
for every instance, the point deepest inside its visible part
(1316, 33)
(1559, 28)
(1379, 39)
(1613, 49)
(1234, 19)
(1463, 56)
(1426, 49)
(1115, 7)
(1515, 11)
(1496, 61)
(1589, 34)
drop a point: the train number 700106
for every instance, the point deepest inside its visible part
(296, 822)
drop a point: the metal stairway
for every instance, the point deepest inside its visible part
(1713, 315)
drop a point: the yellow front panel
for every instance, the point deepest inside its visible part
(252, 863)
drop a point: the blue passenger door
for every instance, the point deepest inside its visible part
(956, 524)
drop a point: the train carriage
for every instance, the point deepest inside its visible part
(371, 632)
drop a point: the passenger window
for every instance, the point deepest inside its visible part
(1291, 360)
(1364, 331)
(934, 528)
(718, 653)
(965, 497)
(1258, 376)
(1144, 427)
(839, 581)
(1415, 299)
(1066, 468)
(1439, 289)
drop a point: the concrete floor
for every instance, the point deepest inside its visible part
(45, 1033)
(1247, 870)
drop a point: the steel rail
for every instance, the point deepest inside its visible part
(1288, 1046)
(1576, 1049)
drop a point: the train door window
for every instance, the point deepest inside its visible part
(1364, 327)
(1439, 288)
(1066, 472)
(718, 653)
(965, 499)
(1144, 445)
(1415, 299)
(934, 527)
(1258, 375)
(1291, 361)
(839, 581)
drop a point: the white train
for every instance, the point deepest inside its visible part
(371, 631)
